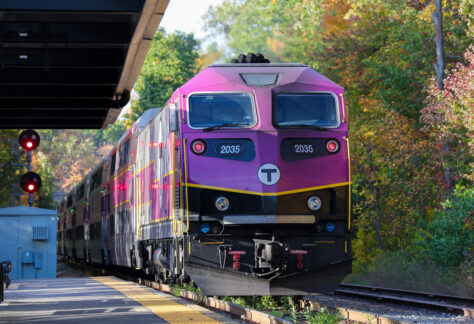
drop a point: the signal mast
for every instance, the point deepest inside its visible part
(30, 181)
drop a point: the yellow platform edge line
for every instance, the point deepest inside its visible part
(162, 306)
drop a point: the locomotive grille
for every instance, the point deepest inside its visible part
(40, 233)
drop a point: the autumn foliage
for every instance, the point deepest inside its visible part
(382, 53)
(412, 226)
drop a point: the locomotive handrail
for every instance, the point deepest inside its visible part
(173, 186)
(346, 138)
(343, 108)
(186, 187)
(1, 282)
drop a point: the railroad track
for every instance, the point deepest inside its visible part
(447, 304)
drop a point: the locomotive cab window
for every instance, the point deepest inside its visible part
(221, 109)
(305, 109)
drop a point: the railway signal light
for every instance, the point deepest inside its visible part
(30, 182)
(29, 139)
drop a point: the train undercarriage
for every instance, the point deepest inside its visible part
(274, 260)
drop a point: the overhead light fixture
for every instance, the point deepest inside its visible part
(260, 79)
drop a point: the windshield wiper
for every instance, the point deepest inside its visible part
(219, 126)
(304, 126)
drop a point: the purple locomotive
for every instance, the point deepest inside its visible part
(240, 183)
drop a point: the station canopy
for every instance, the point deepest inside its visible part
(71, 63)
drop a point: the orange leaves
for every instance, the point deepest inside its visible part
(275, 44)
(448, 117)
(333, 22)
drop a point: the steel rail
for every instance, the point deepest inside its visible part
(445, 303)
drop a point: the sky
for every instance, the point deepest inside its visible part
(188, 20)
(186, 16)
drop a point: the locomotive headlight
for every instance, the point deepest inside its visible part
(216, 228)
(222, 203)
(314, 203)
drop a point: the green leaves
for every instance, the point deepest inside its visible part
(171, 62)
(449, 236)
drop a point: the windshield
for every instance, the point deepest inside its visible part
(225, 109)
(302, 109)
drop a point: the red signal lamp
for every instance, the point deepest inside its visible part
(198, 147)
(332, 146)
(29, 139)
(30, 182)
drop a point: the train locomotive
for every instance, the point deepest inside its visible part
(240, 183)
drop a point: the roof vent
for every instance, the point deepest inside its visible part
(250, 58)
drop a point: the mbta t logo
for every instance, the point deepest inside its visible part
(269, 174)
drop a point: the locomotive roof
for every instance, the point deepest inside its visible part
(229, 77)
(233, 65)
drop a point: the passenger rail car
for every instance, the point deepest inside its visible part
(240, 183)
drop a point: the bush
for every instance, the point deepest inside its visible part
(448, 238)
(438, 259)
(401, 270)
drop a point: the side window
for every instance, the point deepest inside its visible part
(173, 117)
(123, 153)
(102, 204)
(112, 163)
(108, 202)
(131, 189)
(112, 224)
(80, 192)
(96, 180)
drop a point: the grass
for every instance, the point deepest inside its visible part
(286, 307)
(398, 271)
(324, 316)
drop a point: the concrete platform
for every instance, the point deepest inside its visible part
(97, 300)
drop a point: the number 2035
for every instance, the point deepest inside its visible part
(303, 149)
(232, 149)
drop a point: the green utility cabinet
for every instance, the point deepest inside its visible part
(28, 240)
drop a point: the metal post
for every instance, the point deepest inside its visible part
(29, 159)
(1, 282)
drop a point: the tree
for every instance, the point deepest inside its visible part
(381, 52)
(171, 61)
(281, 30)
(44, 198)
(9, 173)
(448, 119)
(72, 154)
